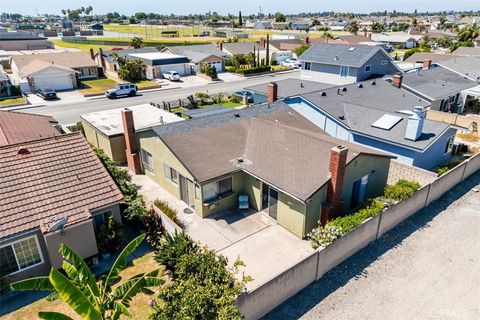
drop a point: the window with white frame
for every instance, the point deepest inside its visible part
(216, 189)
(170, 173)
(20, 255)
(368, 68)
(147, 160)
(307, 66)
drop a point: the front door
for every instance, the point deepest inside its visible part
(187, 191)
(272, 203)
(264, 196)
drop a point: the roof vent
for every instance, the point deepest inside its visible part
(301, 85)
(323, 94)
(336, 58)
(374, 83)
(237, 115)
(23, 151)
(360, 85)
(344, 89)
(341, 117)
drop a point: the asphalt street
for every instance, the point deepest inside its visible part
(67, 113)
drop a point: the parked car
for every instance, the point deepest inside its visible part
(126, 89)
(47, 94)
(171, 75)
(291, 63)
(389, 47)
(249, 94)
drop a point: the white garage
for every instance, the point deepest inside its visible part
(180, 68)
(54, 77)
(158, 63)
(217, 65)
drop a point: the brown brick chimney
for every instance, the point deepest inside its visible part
(307, 40)
(426, 64)
(220, 46)
(262, 43)
(101, 57)
(397, 80)
(133, 160)
(92, 54)
(272, 92)
(333, 206)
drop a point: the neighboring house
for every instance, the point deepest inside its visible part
(419, 57)
(467, 51)
(262, 25)
(58, 71)
(286, 88)
(54, 190)
(105, 59)
(104, 130)
(232, 48)
(200, 54)
(380, 115)
(340, 64)
(299, 25)
(442, 88)
(158, 63)
(466, 66)
(16, 127)
(11, 41)
(5, 85)
(208, 162)
(402, 39)
(283, 44)
(338, 26)
(96, 27)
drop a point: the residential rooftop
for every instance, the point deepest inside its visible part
(436, 82)
(19, 35)
(467, 66)
(109, 122)
(290, 87)
(18, 127)
(48, 179)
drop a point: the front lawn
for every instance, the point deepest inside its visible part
(230, 104)
(138, 307)
(97, 86)
(11, 101)
(146, 83)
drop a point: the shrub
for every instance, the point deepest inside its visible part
(442, 170)
(110, 236)
(165, 208)
(155, 229)
(408, 53)
(203, 96)
(234, 99)
(401, 190)
(136, 210)
(301, 49)
(323, 235)
(251, 70)
(211, 71)
(350, 222)
(172, 248)
(15, 90)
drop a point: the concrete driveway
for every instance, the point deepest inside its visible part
(72, 96)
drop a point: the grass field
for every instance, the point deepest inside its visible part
(138, 307)
(81, 46)
(11, 101)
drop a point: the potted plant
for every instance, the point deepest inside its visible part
(110, 237)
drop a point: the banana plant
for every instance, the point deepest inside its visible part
(89, 298)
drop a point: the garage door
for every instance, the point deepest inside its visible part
(217, 65)
(180, 68)
(57, 82)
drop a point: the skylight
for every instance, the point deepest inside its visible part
(351, 49)
(386, 122)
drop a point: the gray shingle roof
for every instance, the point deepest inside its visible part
(197, 53)
(241, 47)
(360, 107)
(436, 82)
(290, 87)
(468, 66)
(340, 54)
(467, 51)
(19, 35)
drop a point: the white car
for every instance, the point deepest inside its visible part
(171, 75)
(125, 89)
(291, 63)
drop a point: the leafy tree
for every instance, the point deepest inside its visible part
(172, 248)
(90, 299)
(327, 35)
(378, 27)
(301, 49)
(353, 27)
(132, 70)
(280, 17)
(136, 43)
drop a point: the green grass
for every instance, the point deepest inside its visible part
(82, 46)
(231, 104)
(11, 101)
(97, 85)
(146, 83)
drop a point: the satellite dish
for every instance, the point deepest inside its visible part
(58, 225)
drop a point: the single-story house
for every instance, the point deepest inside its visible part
(286, 88)
(401, 38)
(338, 26)
(232, 48)
(380, 115)
(419, 57)
(158, 63)
(16, 127)
(69, 195)
(104, 129)
(296, 174)
(341, 64)
(58, 71)
(104, 58)
(300, 25)
(441, 87)
(465, 66)
(19, 40)
(467, 51)
(200, 54)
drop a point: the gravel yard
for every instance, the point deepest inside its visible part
(426, 268)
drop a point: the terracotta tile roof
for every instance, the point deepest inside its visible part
(53, 178)
(18, 127)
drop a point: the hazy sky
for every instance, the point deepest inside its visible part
(233, 6)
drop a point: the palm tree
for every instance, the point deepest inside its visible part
(90, 299)
(468, 33)
(137, 69)
(118, 59)
(136, 43)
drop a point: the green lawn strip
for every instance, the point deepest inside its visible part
(97, 85)
(11, 101)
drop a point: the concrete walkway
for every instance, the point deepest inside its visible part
(428, 267)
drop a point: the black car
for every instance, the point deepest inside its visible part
(47, 94)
